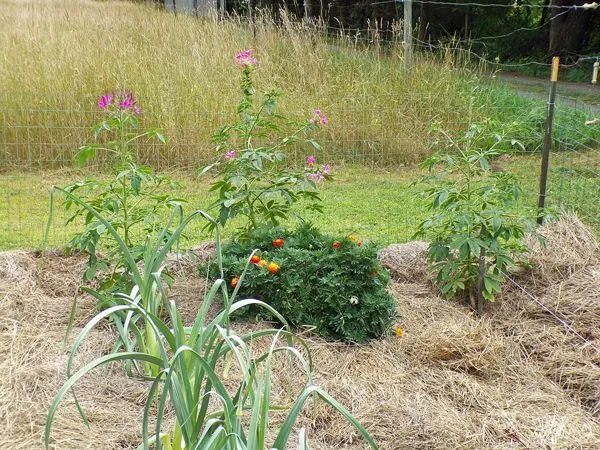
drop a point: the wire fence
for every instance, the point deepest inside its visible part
(375, 162)
(576, 165)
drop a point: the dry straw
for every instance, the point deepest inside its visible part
(513, 379)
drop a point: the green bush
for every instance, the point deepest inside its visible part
(475, 228)
(336, 286)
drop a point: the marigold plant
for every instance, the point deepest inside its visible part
(337, 289)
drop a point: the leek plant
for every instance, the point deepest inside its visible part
(185, 365)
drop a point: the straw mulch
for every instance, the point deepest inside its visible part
(514, 379)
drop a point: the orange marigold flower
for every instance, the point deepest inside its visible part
(359, 243)
(278, 242)
(234, 281)
(374, 274)
(255, 259)
(399, 331)
(263, 263)
(273, 268)
(337, 244)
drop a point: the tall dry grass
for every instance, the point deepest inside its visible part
(59, 55)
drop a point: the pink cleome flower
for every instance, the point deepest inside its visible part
(105, 101)
(316, 177)
(230, 155)
(124, 101)
(319, 118)
(310, 160)
(326, 169)
(246, 59)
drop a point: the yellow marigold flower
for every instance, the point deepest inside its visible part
(399, 331)
(353, 238)
(263, 263)
(273, 268)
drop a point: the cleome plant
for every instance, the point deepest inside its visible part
(340, 290)
(186, 366)
(133, 201)
(255, 184)
(474, 227)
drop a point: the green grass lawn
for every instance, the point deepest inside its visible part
(377, 205)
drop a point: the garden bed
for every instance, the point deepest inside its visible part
(515, 378)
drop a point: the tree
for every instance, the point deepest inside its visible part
(568, 31)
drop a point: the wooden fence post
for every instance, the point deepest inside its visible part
(407, 35)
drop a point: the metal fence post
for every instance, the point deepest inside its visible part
(547, 141)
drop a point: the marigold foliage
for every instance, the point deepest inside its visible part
(339, 290)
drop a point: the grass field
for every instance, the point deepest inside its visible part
(183, 73)
(379, 205)
(59, 56)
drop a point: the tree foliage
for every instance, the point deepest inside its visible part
(529, 29)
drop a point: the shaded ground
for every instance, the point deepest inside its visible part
(570, 93)
(514, 379)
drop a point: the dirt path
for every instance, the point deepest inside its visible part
(574, 94)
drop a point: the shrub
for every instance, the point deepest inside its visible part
(474, 226)
(336, 286)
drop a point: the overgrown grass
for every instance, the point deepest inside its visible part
(58, 56)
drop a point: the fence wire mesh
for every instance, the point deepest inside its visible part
(373, 151)
(576, 166)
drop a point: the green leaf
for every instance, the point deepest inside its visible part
(136, 183)
(442, 198)
(491, 285)
(90, 273)
(161, 137)
(134, 121)
(207, 168)
(85, 153)
(484, 164)
(257, 163)
(314, 143)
